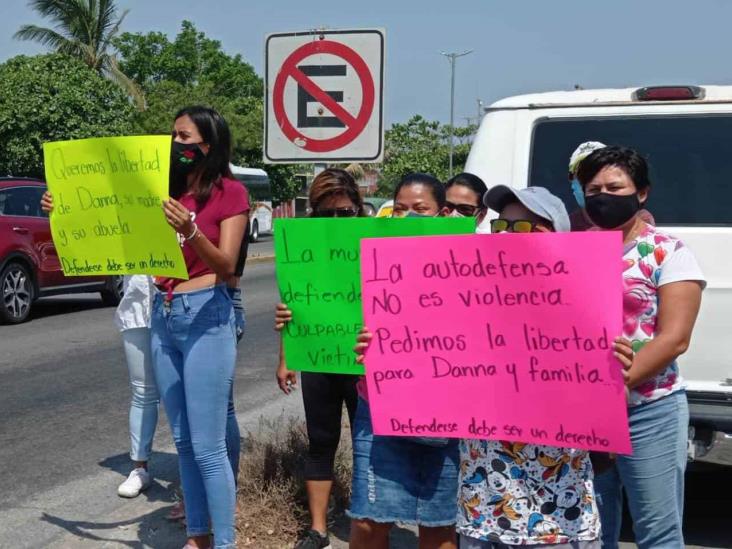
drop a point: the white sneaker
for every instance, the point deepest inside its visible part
(138, 480)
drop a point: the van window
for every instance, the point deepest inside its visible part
(690, 160)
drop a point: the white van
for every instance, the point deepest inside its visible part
(685, 132)
(260, 197)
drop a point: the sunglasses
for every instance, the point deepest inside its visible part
(468, 210)
(336, 212)
(518, 226)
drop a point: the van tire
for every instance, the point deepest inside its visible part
(254, 235)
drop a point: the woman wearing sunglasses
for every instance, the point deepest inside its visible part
(333, 193)
(534, 515)
(465, 194)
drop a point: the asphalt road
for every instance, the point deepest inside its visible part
(65, 398)
(63, 425)
(263, 247)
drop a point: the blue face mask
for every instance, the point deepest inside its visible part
(579, 194)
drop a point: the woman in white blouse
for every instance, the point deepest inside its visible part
(133, 319)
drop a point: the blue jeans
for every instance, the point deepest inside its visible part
(145, 399)
(233, 437)
(239, 315)
(653, 477)
(194, 352)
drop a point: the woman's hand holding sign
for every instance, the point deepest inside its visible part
(363, 340)
(179, 217)
(623, 351)
(47, 202)
(283, 315)
(286, 378)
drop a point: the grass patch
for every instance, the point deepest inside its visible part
(271, 499)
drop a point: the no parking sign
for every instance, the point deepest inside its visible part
(324, 96)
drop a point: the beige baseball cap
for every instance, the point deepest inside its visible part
(582, 152)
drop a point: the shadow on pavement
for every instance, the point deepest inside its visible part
(150, 529)
(149, 533)
(53, 306)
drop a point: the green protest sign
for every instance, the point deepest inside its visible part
(108, 216)
(318, 273)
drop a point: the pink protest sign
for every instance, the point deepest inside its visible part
(505, 337)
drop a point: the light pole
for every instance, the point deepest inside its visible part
(452, 57)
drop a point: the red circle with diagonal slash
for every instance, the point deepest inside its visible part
(354, 125)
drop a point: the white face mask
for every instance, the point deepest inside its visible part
(454, 213)
(484, 227)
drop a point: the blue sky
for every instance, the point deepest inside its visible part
(521, 46)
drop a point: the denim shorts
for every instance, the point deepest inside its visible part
(396, 479)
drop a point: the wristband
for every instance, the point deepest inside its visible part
(193, 233)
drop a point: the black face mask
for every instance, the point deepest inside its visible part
(185, 157)
(609, 211)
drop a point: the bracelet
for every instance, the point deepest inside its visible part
(194, 233)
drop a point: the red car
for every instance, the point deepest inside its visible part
(29, 265)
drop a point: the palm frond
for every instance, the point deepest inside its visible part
(112, 71)
(86, 22)
(109, 23)
(55, 9)
(111, 30)
(84, 29)
(43, 35)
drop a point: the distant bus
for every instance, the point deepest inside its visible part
(260, 195)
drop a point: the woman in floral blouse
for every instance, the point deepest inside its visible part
(662, 294)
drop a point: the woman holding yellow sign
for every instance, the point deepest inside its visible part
(193, 324)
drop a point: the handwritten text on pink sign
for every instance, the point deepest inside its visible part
(505, 337)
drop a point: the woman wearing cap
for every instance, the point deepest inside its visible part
(579, 219)
(529, 512)
(662, 294)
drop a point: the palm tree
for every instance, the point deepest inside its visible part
(83, 29)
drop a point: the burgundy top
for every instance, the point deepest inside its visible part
(227, 200)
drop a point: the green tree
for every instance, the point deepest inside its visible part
(54, 97)
(83, 29)
(194, 69)
(420, 145)
(191, 59)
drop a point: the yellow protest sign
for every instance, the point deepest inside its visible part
(107, 197)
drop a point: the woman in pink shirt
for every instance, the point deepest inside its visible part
(193, 325)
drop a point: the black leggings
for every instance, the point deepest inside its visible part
(323, 396)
